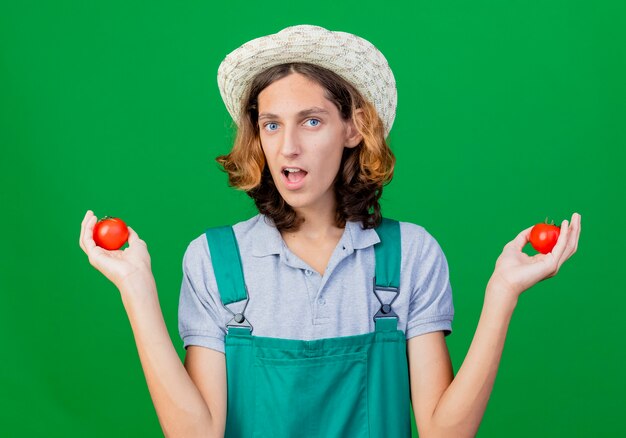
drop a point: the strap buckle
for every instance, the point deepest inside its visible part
(385, 310)
(239, 320)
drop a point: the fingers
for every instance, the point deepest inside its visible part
(83, 225)
(132, 236)
(572, 241)
(86, 237)
(577, 233)
(86, 241)
(82, 230)
(559, 248)
(568, 241)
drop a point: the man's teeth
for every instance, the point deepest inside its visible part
(289, 170)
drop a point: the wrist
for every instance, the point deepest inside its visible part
(136, 283)
(501, 294)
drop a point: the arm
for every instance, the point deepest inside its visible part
(188, 403)
(188, 400)
(448, 406)
(207, 368)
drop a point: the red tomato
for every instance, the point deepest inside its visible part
(110, 233)
(543, 236)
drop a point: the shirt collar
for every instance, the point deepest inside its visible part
(268, 241)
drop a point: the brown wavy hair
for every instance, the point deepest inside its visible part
(364, 169)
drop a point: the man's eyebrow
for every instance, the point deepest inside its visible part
(303, 113)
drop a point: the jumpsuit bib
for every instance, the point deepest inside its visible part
(349, 386)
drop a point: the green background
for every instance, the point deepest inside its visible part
(508, 112)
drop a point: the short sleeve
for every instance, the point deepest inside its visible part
(199, 308)
(431, 307)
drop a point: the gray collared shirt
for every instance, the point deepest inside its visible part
(289, 299)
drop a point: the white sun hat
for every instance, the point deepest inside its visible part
(351, 57)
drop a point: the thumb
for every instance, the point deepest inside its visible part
(521, 239)
(133, 238)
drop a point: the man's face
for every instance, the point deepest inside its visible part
(301, 130)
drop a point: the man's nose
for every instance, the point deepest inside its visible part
(290, 142)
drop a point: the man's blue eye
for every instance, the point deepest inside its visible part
(269, 125)
(314, 120)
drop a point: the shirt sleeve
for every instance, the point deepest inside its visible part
(431, 307)
(200, 320)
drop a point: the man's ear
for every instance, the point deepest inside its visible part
(353, 136)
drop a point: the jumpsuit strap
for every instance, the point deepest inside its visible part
(387, 278)
(228, 270)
